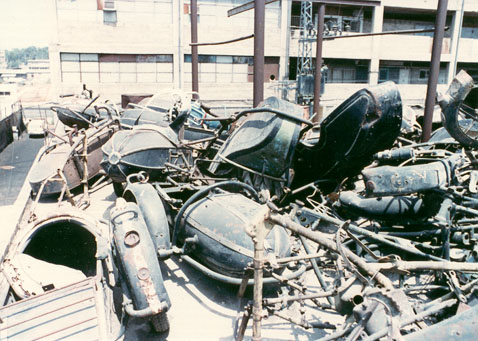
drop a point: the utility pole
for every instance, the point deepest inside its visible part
(318, 64)
(434, 69)
(194, 48)
(259, 18)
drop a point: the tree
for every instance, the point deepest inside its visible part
(16, 57)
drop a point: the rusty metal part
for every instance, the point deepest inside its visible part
(68, 231)
(271, 301)
(401, 265)
(66, 157)
(412, 319)
(462, 326)
(258, 233)
(326, 242)
(392, 180)
(244, 321)
(458, 118)
(58, 177)
(301, 322)
(85, 201)
(399, 243)
(315, 266)
(139, 263)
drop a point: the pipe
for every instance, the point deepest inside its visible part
(237, 281)
(275, 300)
(258, 237)
(379, 238)
(142, 313)
(317, 115)
(386, 33)
(325, 241)
(261, 109)
(223, 42)
(259, 19)
(315, 266)
(194, 48)
(434, 69)
(426, 266)
(464, 289)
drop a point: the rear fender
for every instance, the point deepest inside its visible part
(152, 209)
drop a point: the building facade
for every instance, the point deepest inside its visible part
(38, 70)
(137, 46)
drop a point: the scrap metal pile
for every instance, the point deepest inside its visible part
(263, 198)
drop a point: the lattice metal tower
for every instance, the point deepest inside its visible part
(305, 66)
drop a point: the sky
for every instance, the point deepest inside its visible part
(26, 23)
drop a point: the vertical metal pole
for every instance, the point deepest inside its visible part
(434, 68)
(318, 62)
(258, 282)
(458, 37)
(194, 48)
(259, 18)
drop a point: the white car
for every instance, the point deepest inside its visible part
(36, 128)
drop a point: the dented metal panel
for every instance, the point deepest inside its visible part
(69, 313)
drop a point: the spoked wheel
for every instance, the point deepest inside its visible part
(467, 125)
(460, 118)
(160, 322)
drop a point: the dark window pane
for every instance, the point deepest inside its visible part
(206, 59)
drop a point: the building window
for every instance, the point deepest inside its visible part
(342, 75)
(109, 12)
(116, 68)
(423, 74)
(383, 75)
(220, 69)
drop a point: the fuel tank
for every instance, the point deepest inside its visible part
(219, 223)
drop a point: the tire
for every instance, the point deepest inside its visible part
(160, 322)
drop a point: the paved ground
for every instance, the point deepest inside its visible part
(15, 162)
(202, 308)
